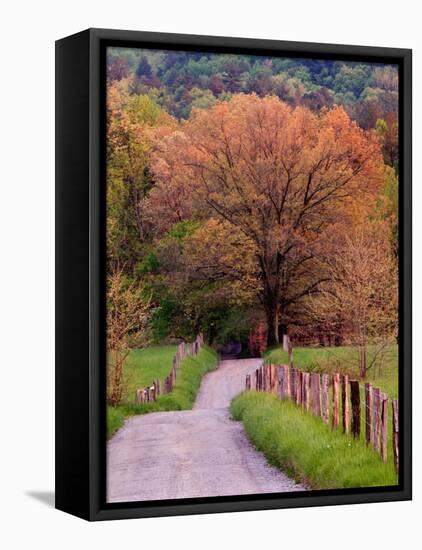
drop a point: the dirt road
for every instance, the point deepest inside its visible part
(197, 453)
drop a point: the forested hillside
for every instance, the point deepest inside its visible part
(179, 81)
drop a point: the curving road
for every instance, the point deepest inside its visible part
(197, 453)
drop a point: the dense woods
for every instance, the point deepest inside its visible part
(248, 192)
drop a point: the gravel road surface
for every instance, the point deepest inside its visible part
(197, 453)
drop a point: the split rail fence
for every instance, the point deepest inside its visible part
(311, 392)
(184, 349)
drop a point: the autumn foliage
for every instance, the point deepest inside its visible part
(280, 176)
(233, 198)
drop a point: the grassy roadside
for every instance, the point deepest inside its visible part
(340, 359)
(305, 448)
(181, 398)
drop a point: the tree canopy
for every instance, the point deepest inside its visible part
(277, 176)
(234, 182)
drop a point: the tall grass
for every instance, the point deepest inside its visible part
(340, 359)
(307, 449)
(182, 397)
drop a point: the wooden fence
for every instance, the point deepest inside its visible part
(311, 392)
(184, 349)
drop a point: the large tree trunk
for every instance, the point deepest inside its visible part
(211, 334)
(270, 264)
(271, 311)
(282, 330)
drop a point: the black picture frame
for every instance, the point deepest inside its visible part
(80, 261)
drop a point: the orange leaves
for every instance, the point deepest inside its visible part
(272, 170)
(257, 161)
(170, 200)
(282, 177)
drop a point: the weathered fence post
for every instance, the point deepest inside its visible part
(345, 402)
(248, 381)
(268, 378)
(336, 407)
(257, 379)
(355, 396)
(288, 347)
(384, 420)
(260, 378)
(287, 381)
(369, 433)
(297, 385)
(377, 419)
(284, 381)
(281, 382)
(395, 406)
(299, 380)
(275, 379)
(324, 398)
(293, 374)
(316, 393)
(306, 377)
(272, 378)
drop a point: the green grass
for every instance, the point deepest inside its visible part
(184, 392)
(143, 366)
(305, 448)
(115, 419)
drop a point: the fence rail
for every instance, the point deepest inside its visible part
(311, 392)
(184, 349)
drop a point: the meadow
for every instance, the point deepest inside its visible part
(144, 366)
